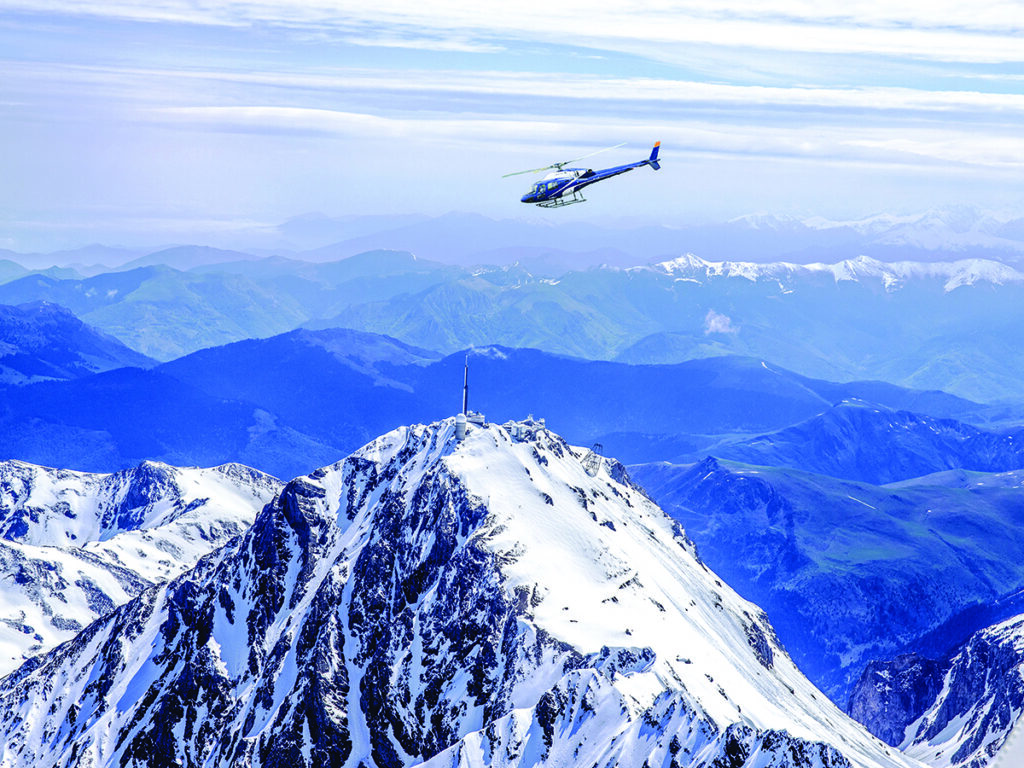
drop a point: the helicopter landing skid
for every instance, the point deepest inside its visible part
(560, 202)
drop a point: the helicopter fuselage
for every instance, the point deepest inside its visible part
(563, 186)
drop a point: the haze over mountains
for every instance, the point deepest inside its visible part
(469, 239)
(948, 322)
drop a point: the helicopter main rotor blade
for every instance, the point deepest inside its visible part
(532, 170)
(562, 164)
(584, 157)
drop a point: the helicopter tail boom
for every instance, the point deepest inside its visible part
(653, 159)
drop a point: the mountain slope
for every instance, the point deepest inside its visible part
(116, 419)
(866, 442)
(833, 561)
(488, 602)
(40, 341)
(341, 387)
(165, 313)
(74, 545)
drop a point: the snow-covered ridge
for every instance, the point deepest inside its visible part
(73, 545)
(892, 275)
(429, 601)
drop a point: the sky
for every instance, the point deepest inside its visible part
(182, 121)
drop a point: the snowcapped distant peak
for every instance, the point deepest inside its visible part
(695, 268)
(766, 221)
(971, 271)
(684, 263)
(892, 275)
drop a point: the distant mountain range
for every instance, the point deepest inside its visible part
(948, 324)
(545, 245)
(301, 399)
(942, 326)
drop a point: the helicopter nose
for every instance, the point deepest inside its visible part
(527, 198)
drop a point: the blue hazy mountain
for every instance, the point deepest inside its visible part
(304, 378)
(166, 312)
(942, 325)
(40, 341)
(186, 257)
(335, 385)
(163, 312)
(113, 420)
(89, 259)
(335, 389)
(292, 402)
(587, 400)
(864, 441)
(10, 270)
(847, 571)
(324, 289)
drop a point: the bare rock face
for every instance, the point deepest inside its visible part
(439, 603)
(953, 712)
(890, 695)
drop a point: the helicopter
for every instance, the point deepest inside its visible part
(562, 186)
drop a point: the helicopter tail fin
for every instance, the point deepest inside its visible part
(653, 159)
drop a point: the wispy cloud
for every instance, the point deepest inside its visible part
(577, 87)
(844, 144)
(944, 30)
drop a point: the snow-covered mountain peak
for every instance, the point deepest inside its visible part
(73, 545)
(685, 263)
(504, 600)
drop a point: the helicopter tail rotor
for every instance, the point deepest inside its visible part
(653, 159)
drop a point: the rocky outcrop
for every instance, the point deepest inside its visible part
(954, 712)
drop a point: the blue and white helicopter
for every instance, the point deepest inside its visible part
(562, 186)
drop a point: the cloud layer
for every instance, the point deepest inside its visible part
(838, 108)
